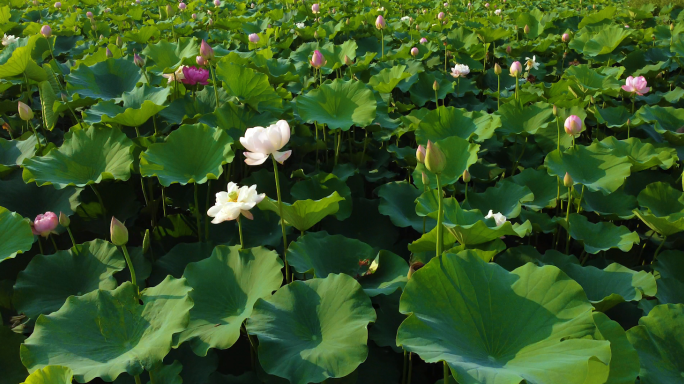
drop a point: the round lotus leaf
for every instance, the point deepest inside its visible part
(397, 200)
(642, 155)
(29, 200)
(460, 155)
(16, 235)
(506, 198)
(670, 266)
(10, 364)
(48, 280)
(53, 374)
(106, 333)
(600, 236)
(516, 120)
(225, 288)
(624, 360)
(107, 80)
(340, 104)
(322, 185)
(444, 122)
(304, 214)
(659, 340)
(248, 86)
(86, 157)
(190, 154)
(13, 152)
(312, 330)
(666, 120)
(544, 188)
(468, 323)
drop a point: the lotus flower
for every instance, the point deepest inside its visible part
(516, 68)
(486, 5)
(317, 60)
(498, 217)
(235, 201)
(8, 39)
(460, 70)
(531, 63)
(380, 22)
(423, 40)
(573, 125)
(565, 37)
(262, 142)
(254, 38)
(118, 232)
(176, 76)
(414, 51)
(497, 12)
(89, 15)
(316, 8)
(206, 51)
(25, 112)
(45, 224)
(440, 15)
(46, 31)
(217, 2)
(201, 61)
(182, 6)
(636, 85)
(194, 75)
(58, 5)
(420, 154)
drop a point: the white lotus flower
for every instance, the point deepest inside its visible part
(497, 12)
(8, 39)
(460, 70)
(532, 63)
(498, 218)
(237, 200)
(176, 76)
(300, 25)
(261, 142)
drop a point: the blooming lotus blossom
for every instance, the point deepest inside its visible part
(423, 40)
(573, 125)
(380, 22)
(405, 18)
(46, 31)
(254, 38)
(532, 63)
(262, 142)
(8, 39)
(45, 224)
(176, 76)
(194, 75)
(317, 60)
(497, 12)
(300, 25)
(234, 202)
(460, 70)
(414, 51)
(516, 68)
(498, 217)
(316, 8)
(636, 85)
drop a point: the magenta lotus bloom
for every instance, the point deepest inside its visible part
(565, 37)
(58, 5)
(44, 224)
(440, 15)
(206, 51)
(46, 31)
(516, 69)
(182, 6)
(316, 8)
(414, 51)
(194, 75)
(573, 125)
(254, 38)
(423, 40)
(636, 85)
(380, 22)
(317, 60)
(89, 15)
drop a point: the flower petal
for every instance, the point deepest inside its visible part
(282, 156)
(255, 158)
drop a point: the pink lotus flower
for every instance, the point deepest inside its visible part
(316, 8)
(414, 51)
(217, 2)
(636, 85)
(89, 15)
(46, 31)
(182, 6)
(58, 5)
(317, 60)
(194, 16)
(440, 15)
(254, 38)
(137, 60)
(380, 22)
(206, 51)
(194, 75)
(45, 224)
(516, 69)
(423, 40)
(486, 5)
(565, 37)
(262, 142)
(201, 61)
(573, 125)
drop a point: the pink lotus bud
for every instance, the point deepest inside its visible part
(446, 5)
(516, 69)
(254, 38)
(348, 61)
(194, 16)
(508, 49)
(44, 224)
(46, 31)
(316, 8)
(567, 180)
(207, 52)
(182, 6)
(565, 37)
(420, 154)
(435, 161)
(423, 40)
(137, 1)
(414, 51)
(317, 60)
(486, 5)
(137, 60)
(58, 5)
(573, 125)
(435, 86)
(118, 232)
(497, 69)
(25, 112)
(380, 22)
(440, 15)
(89, 15)
(253, 5)
(201, 61)
(526, 29)
(217, 3)
(108, 53)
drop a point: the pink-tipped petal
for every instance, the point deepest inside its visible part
(282, 156)
(247, 214)
(255, 158)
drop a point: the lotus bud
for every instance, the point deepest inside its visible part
(206, 51)
(210, 22)
(573, 125)
(435, 161)
(89, 15)
(497, 69)
(217, 3)
(380, 22)
(567, 180)
(425, 179)
(347, 61)
(46, 31)
(194, 16)
(25, 112)
(420, 154)
(423, 40)
(565, 37)
(101, 36)
(347, 22)
(119, 41)
(516, 69)
(252, 5)
(137, 1)
(254, 38)
(64, 220)
(58, 5)
(417, 27)
(317, 60)
(137, 60)
(316, 8)
(35, 2)
(440, 15)
(672, 29)
(413, 268)
(201, 61)
(108, 53)
(435, 86)
(315, 34)
(414, 51)
(182, 6)
(466, 176)
(118, 232)
(64, 97)
(555, 110)
(146, 242)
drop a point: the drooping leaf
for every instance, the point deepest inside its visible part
(16, 235)
(107, 80)
(248, 86)
(339, 105)
(304, 214)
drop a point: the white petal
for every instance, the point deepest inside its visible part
(255, 158)
(282, 156)
(284, 128)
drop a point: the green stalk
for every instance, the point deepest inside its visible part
(440, 218)
(498, 92)
(446, 373)
(404, 368)
(567, 215)
(40, 246)
(99, 199)
(53, 243)
(242, 243)
(71, 236)
(655, 255)
(282, 221)
(382, 44)
(579, 205)
(337, 149)
(40, 146)
(516, 88)
(206, 222)
(131, 269)
(213, 79)
(197, 214)
(137, 379)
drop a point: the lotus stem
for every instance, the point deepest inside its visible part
(129, 262)
(410, 368)
(163, 200)
(40, 146)
(382, 44)
(515, 166)
(137, 379)
(40, 246)
(405, 367)
(50, 48)
(655, 255)
(207, 205)
(516, 88)
(440, 218)
(579, 204)
(282, 221)
(446, 373)
(498, 92)
(73, 242)
(567, 216)
(242, 242)
(559, 139)
(99, 199)
(337, 149)
(53, 243)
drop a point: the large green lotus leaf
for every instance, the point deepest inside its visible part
(174, 262)
(544, 187)
(670, 266)
(516, 257)
(445, 122)
(322, 254)
(139, 105)
(107, 80)
(52, 374)
(460, 155)
(516, 120)
(339, 104)
(661, 199)
(304, 214)
(422, 91)
(467, 322)
(613, 117)
(593, 168)
(86, 157)
(489, 35)
(106, 333)
(248, 86)
(618, 204)
(384, 330)
(143, 35)
(322, 185)
(13, 371)
(397, 200)
(624, 360)
(613, 285)
(16, 235)
(48, 280)
(13, 152)
(470, 227)
(191, 154)
(642, 155)
(388, 78)
(666, 121)
(666, 226)
(505, 198)
(16, 60)
(167, 56)
(600, 236)
(606, 40)
(659, 340)
(604, 15)
(225, 288)
(312, 330)
(590, 80)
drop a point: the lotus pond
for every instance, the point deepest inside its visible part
(214, 192)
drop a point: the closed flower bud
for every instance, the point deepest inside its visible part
(65, 98)
(565, 37)
(567, 180)
(119, 41)
(380, 22)
(206, 51)
(435, 86)
(64, 220)
(146, 241)
(317, 59)
(182, 6)
(194, 16)
(440, 15)
(46, 31)
(508, 49)
(89, 15)
(435, 161)
(201, 61)
(573, 125)
(108, 53)
(425, 179)
(118, 232)
(217, 3)
(526, 29)
(466, 176)
(254, 38)
(210, 22)
(420, 154)
(555, 110)
(347, 60)
(516, 69)
(25, 112)
(414, 51)
(137, 60)
(497, 69)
